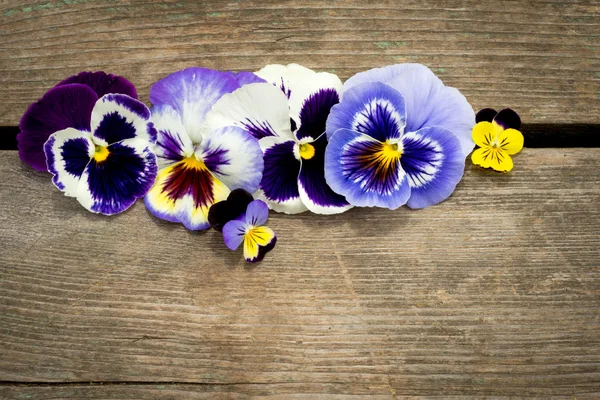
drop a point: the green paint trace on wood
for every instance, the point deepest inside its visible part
(385, 45)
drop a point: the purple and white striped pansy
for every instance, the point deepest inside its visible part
(110, 167)
(288, 116)
(398, 137)
(199, 165)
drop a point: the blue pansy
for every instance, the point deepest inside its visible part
(399, 136)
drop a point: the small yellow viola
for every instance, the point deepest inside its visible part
(498, 139)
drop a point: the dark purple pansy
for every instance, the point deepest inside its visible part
(103, 83)
(233, 208)
(67, 105)
(506, 118)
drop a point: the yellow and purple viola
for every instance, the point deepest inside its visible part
(498, 137)
(287, 113)
(69, 104)
(198, 164)
(399, 136)
(108, 168)
(241, 219)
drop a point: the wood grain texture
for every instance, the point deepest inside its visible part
(540, 57)
(495, 292)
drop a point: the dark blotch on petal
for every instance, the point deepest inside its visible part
(103, 83)
(114, 127)
(263, 250)
(259, 129)
(75, 154)
(184, 180)
(280, 176)
(123, 177)
(314, 113)
(508, 119)
(485, 115)
(312, 177)
(233, 208)
(67, 106)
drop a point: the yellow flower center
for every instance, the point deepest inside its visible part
(391, 150)
(193, 163)
(101, 153)
(307, 151)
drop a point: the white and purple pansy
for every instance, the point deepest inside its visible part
(398, 137)
(110, 167)
(199, 165)
(67, 105)
(288, 116)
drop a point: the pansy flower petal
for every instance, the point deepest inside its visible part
(310, 109)
(484, 133)
(259, 108)
(433, 161)
(286, 77)
(508, 119)
(257, 213)
(511, 141)
(173, 143)
(492, 157)
(192, 92)
(112, 182)
(311, 102)
(430, 103)
(103, 83)
(184, 192)
(485, 115)
(258, 242)
(383, 75)
(233, 208)
(245, 77)
(372, 109)
(68, 152)
(118, 117)
(367, 172)
(66, 106)
(313, 189)
(234, 232)
(234, 157)
(279, 184)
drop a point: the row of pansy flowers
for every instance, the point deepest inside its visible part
(297, 139)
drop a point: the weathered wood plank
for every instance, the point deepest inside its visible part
(193, 392)
(494, 292)
(540, 57)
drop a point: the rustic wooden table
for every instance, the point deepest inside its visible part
(493, 293)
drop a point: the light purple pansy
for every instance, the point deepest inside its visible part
(110, 167)
(398, 137)
(67, 105)
(288, 116)
(199, 164)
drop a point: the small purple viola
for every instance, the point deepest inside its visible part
(399, 136)
(242, 219)
(67, 105)
(110, 167)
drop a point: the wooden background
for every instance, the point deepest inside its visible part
(494, 293)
